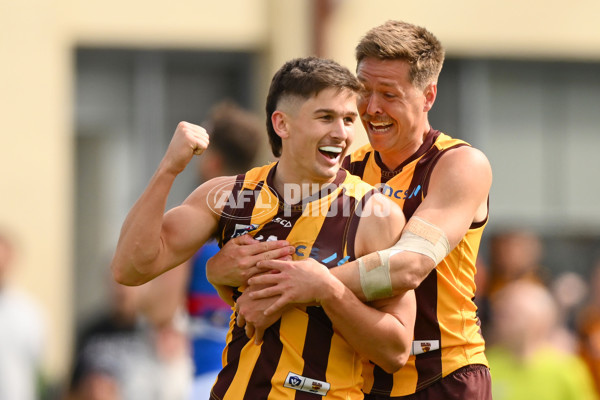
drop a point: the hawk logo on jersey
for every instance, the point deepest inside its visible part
(424, 346)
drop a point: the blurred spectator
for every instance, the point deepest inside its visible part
(22, 335)
(588, 326)
(569, 289)
(515, 255)
(119, 356)
(524, 362)
(235, 139)
(105, 345)
(96, 385)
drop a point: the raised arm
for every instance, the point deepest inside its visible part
(152, 241)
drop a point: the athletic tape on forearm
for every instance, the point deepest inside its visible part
(419, 236)
(374, 271)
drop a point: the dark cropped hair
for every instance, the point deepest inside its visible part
(304, 78)
(397, 40)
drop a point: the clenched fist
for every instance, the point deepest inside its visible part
(188, 140)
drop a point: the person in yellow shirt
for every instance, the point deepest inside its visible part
(524, 362)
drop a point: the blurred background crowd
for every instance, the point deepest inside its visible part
(91, 92)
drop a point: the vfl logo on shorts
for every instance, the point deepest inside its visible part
(298, 382)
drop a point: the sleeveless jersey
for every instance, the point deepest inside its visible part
(447, 330)
(302, 356)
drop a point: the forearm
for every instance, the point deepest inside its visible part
(382, 335)
(140, 243)
(407, 271)
(348, 274)
(376, 335)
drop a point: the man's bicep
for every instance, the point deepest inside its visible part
(185, 230)
(190, 225)
(457, 193)
(380, 225)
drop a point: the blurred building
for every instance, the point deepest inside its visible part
(90, 92)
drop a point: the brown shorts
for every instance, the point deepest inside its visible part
(472, 382)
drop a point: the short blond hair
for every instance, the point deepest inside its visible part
(398, 40)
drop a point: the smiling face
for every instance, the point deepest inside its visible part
(316, 134)
(392, 109)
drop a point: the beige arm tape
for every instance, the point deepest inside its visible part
(419, 236)
(422, 237)
(374, 272)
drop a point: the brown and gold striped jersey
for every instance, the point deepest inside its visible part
(302, 356)
(447, 330)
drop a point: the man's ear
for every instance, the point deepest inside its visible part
(279, 119)
(430, 94)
